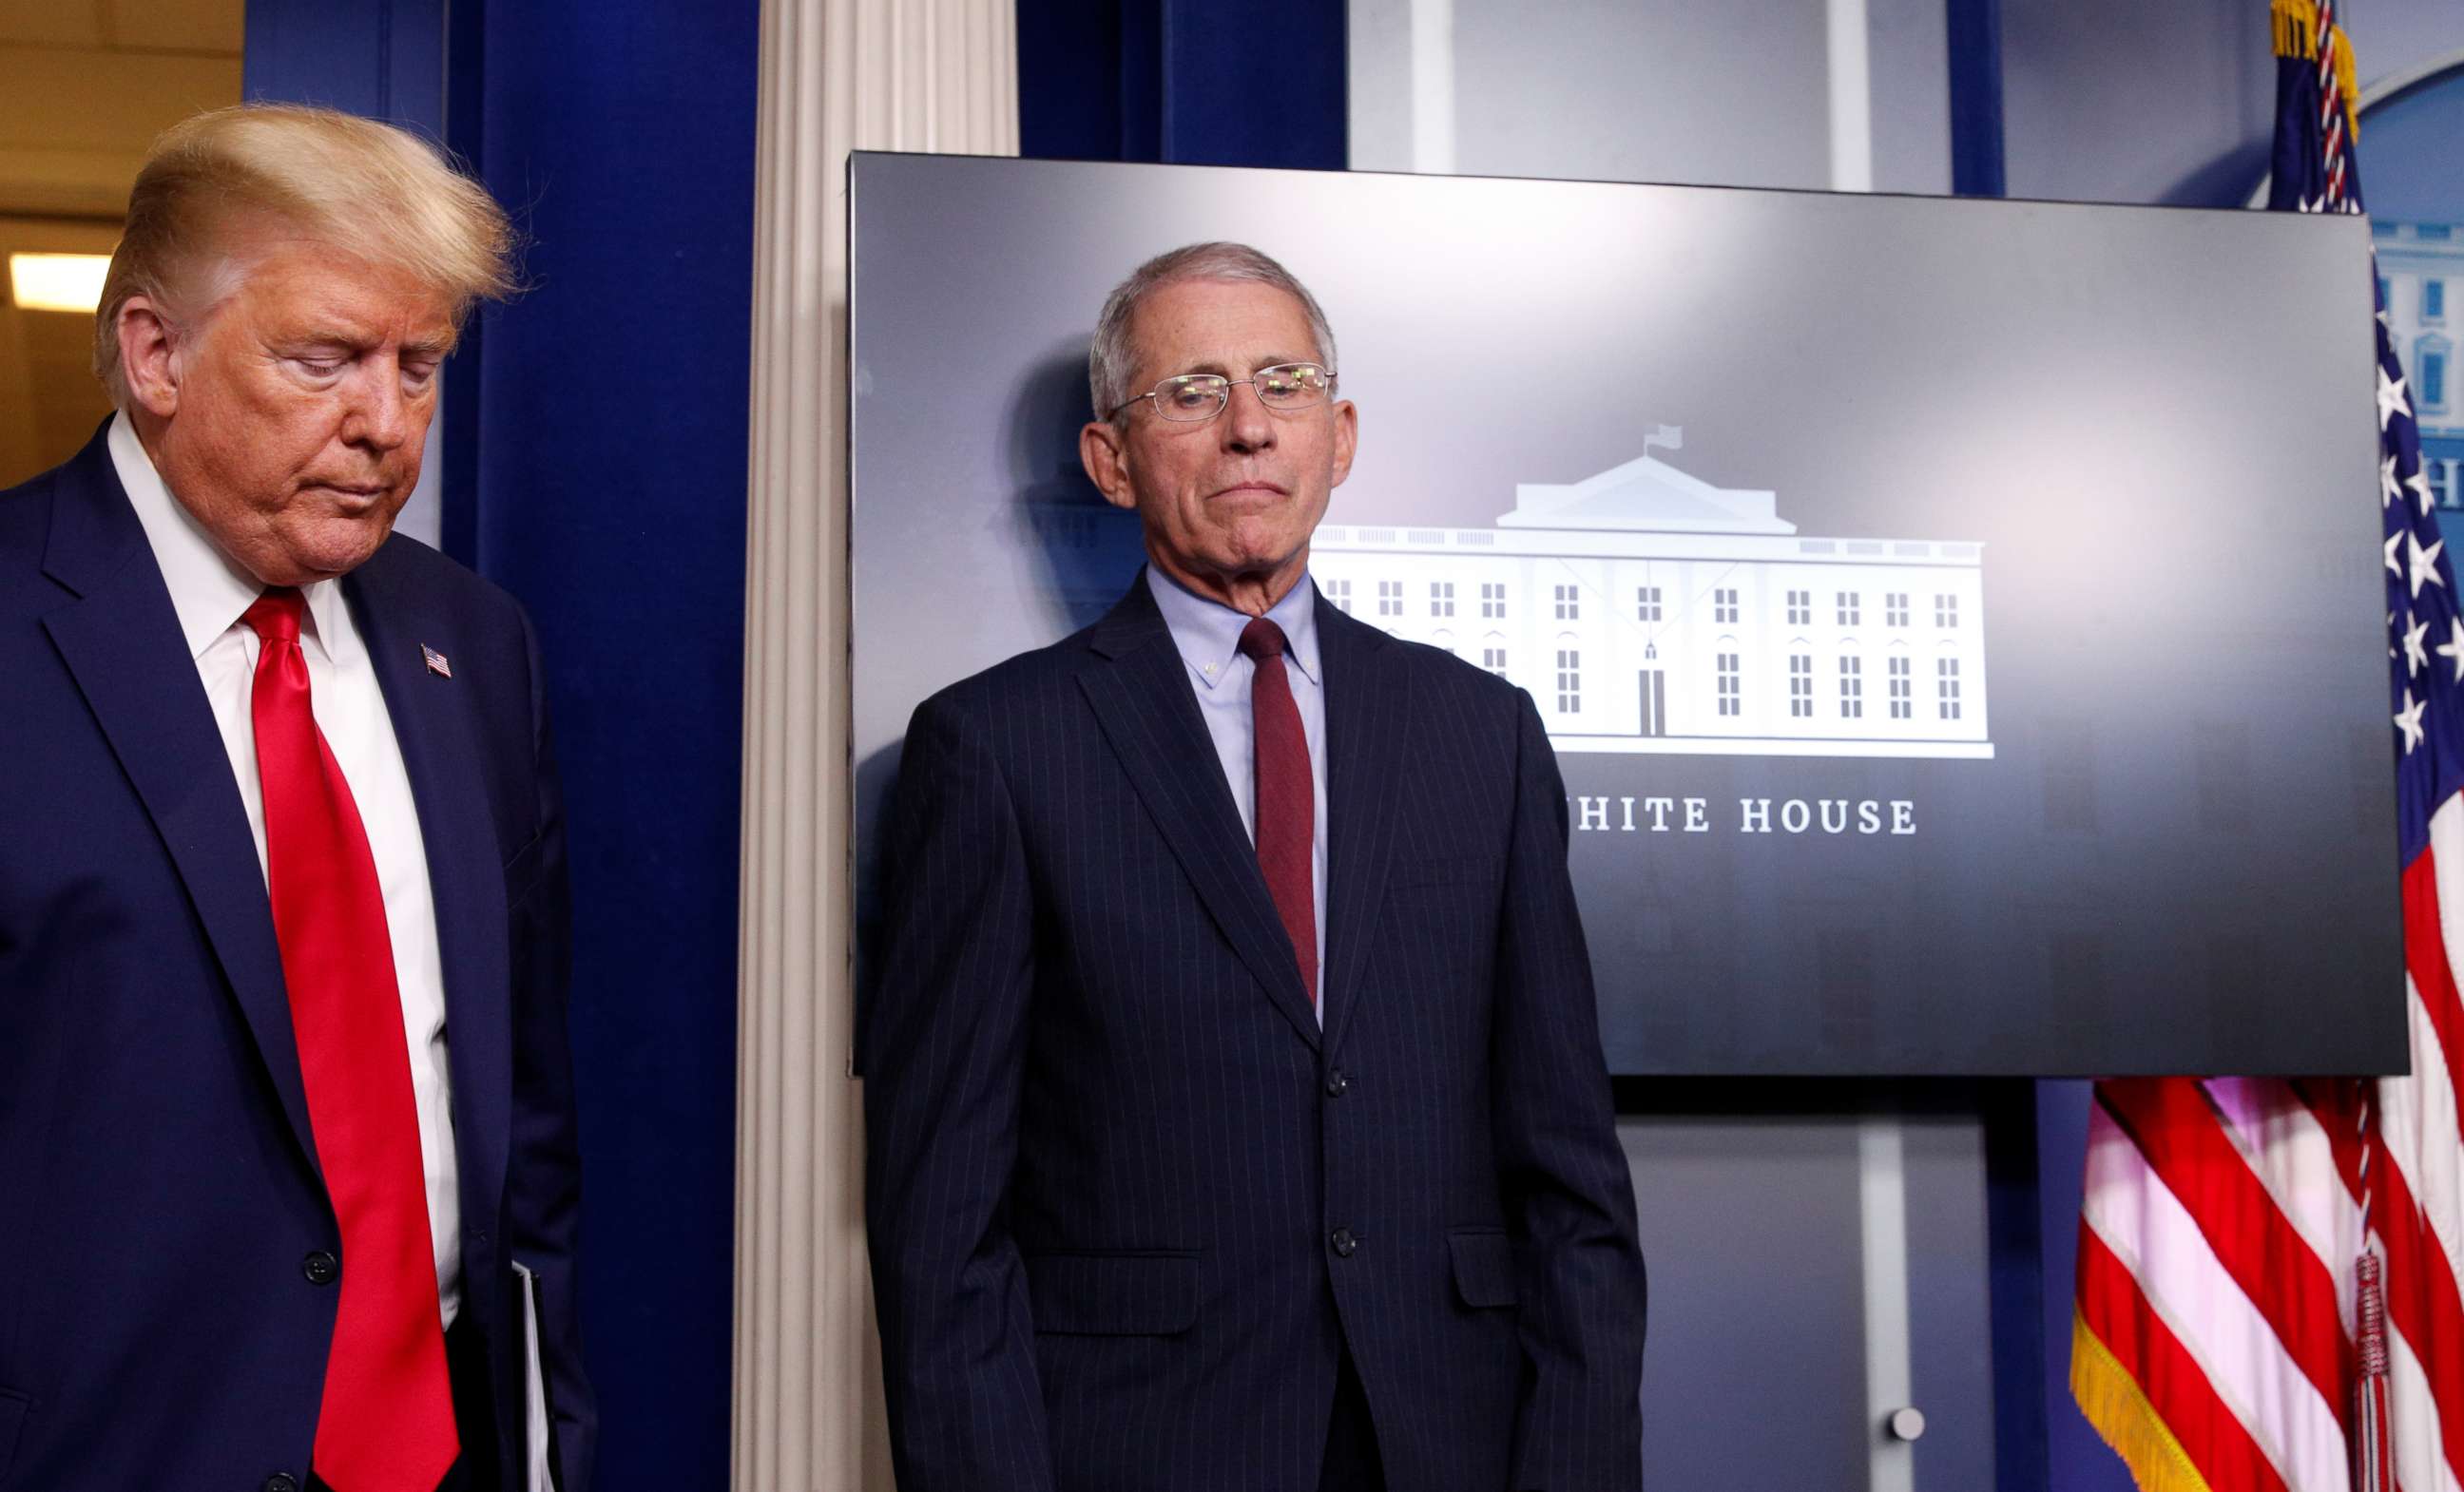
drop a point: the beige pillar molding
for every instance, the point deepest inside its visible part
(836, 75)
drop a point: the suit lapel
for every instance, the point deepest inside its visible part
(434, 726)
(121, 641)
(1143, 701)
(1366, 697)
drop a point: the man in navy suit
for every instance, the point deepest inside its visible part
(1234, 1091)
(288, 1176)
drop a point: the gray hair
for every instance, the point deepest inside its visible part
(1111, 360)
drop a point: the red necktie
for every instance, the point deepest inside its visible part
(1287, 796)
(386, 1422)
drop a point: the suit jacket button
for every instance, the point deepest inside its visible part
(281, 1481)
(1336, 1085)
(320, 1268)
(1344, 1242)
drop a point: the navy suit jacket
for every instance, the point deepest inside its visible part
(159, 1188)
(1129, 1203)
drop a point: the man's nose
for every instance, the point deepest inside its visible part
(379, 415)
(1248, 424)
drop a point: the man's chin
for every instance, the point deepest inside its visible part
(324, 556)
(1232, 568)
(1279, 564)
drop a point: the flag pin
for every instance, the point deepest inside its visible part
(436, 663)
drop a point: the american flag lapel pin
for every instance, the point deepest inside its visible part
(436, 663)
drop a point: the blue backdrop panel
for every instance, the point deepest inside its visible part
(1974, 32)
(383, 58)
(600, 455)
(1183, 81)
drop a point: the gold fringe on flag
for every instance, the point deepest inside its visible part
(2113, 1402)
(2297, 22)
(2296, 31)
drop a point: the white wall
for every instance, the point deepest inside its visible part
(1645, 90)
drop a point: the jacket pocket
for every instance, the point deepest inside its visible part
(12, 1418)
(1132, 1292)
(1483, 1268)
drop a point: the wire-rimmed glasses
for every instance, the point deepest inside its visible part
(1193, 397)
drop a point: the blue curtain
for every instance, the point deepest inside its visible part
(1183, 81)
(595, 436)
(598, 473)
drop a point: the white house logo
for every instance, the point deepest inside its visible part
(1647, 610)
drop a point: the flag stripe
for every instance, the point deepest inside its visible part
(2420, 1460)
(2424, 958)
(2174, 1128)
(2333, 1102)
(2180, 1394)
(2280, 1139)
(2117, 1407)
(2144, 1224)
(2418, 1113)
(2435, 1161)
(2446, 843)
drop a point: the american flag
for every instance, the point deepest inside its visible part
(2268, 1279)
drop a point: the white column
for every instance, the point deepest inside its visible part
(1881, 1177)
(836, 75)
(1883, 1217)
(1852, 96)
(1433, 87)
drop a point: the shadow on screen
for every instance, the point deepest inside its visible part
(876, 775)
(1084, 551)
(1088, 549)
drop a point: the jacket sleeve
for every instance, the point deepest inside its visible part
(543, 1181)
(944, 1043)
(1568, 1199)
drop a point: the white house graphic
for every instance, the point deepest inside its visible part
(1647, 610)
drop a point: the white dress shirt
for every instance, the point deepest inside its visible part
(209, 591)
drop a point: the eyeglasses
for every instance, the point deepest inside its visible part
(1201, 396)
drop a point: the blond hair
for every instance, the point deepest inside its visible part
(1110, 358)
(366, 190)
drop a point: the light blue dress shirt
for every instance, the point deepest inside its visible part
(1208, 635)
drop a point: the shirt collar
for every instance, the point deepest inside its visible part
(208, 589)
(1208, 633)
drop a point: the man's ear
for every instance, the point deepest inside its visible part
(1347, 439)
(149, 360)
(1105, 456)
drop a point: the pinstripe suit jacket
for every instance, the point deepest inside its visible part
(1129, 1203)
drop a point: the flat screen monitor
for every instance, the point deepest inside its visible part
(1959, 622)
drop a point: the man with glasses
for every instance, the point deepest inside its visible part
(1234, 1094)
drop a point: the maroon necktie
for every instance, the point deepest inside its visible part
(1287, 795)
(386, 1420)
